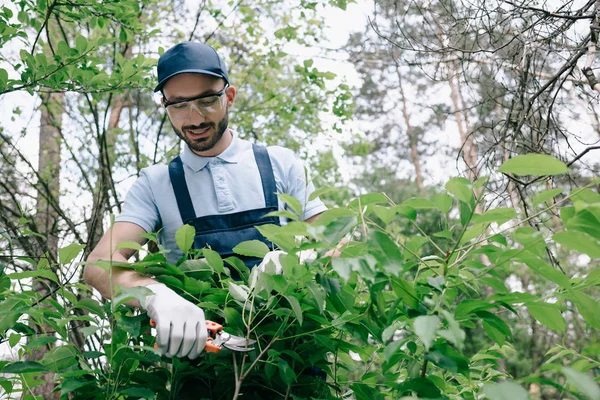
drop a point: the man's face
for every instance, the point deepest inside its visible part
(199, 123)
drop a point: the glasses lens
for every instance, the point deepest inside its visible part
(204, 106)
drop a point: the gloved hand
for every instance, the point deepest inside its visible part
(273, 257)
(180, 325)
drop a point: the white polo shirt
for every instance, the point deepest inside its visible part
(225, 184)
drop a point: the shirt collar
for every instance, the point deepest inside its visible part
(196, 162)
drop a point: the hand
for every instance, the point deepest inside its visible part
(274, 258)
(180, 325)
(335, 252)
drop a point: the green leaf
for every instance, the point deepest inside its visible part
(81, 44)
(584, 383)
(533, 164)
(68, 253)
(545, 270)
(369, 198)
(321, 191)
(296, 308)
(91, 305)
(473, 232)
(499, 215)
(425, 388)
(406, 292)
(290, 215)
(495, 284)
(455, 334)
(548, 315)
(60, 358)
(584, 221)
(344, 267)
(363, 391)
(10, 312)
(593, 278)
(129, 244)
(584, 195)
(406, 211)
(70, 385)
(41, 341)
(13, 339)
(138, 293)
(184, 237)
(238, 292)
(566, 213)
(385, 214)
(138, 392)
(445, 356)
(505, 391)
(531, 240)
(588, 308)
(286, 373)
(393, 257)
(466, 212)
(40, 273)
(419, 203)
(3, 77)
(318, 294)
(443, 202)
(252, 248)
(214, 260)
(131, 325)
(338, 228)
(21, 367)
(291, 202)
(578, 241)
(426, 327)
(461, 189)
(546, 195)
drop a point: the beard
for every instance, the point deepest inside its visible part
(207, 143)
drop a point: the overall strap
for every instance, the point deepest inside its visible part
(182, 194)
(266, 175)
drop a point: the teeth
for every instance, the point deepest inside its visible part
(198, 131)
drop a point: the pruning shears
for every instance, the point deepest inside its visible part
(217, 339)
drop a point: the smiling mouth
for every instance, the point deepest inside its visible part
(198, 132)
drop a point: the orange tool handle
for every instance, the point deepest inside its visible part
(212, 327)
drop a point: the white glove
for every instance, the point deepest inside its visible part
(180, 325)
(273, 257)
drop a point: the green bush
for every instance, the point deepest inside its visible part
(427, 316)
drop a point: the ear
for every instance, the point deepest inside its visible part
(230, 93)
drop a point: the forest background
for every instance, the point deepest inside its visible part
(424, 91)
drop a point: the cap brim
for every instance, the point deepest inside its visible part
(187, 71)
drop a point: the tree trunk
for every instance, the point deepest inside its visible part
(48, 187)
(469, 152)
(106, 144)
(107, 138)
(412, 135)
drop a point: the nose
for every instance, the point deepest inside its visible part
(196, 116)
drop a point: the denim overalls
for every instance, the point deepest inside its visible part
(222, 232)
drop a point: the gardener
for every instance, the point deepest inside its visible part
(220, 184)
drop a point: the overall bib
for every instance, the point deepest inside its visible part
(223, 232)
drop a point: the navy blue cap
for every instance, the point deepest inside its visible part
(190, 57)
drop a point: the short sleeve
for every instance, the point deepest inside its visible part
(139, 206)
(298, 183)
